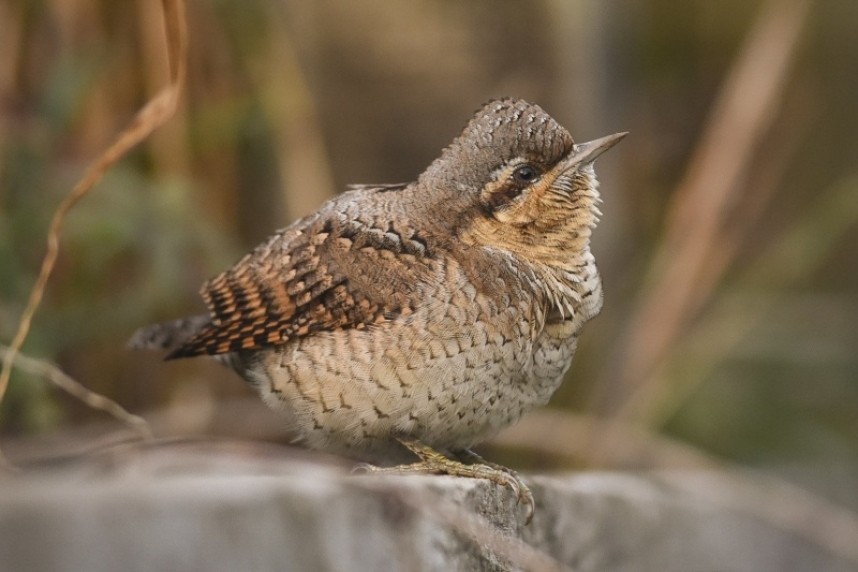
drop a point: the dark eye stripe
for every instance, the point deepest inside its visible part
(509, 190)
(503, 196)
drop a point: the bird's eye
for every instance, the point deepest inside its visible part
(525, 174)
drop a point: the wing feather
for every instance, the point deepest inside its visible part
(319, 274)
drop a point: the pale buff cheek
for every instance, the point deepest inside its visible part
(546, 226)
(525, 214)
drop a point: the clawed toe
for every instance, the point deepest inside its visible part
(516, 488)
(510, 479)
(364, 468)
(530, 505)
(505, 477)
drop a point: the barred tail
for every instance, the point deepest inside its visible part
(167, 335)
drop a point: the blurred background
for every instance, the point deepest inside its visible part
(728, 244)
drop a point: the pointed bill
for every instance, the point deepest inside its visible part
(589, 151)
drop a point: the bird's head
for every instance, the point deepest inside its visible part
(530, 188)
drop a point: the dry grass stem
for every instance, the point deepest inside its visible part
(13, 27)
(658, 402)
(154, 114)
(65, 382)
(301, 156)
(168, 146)
(705, 200)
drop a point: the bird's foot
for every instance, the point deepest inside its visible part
(510, 478)
(470, 465)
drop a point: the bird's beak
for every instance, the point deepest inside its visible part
(584, 153)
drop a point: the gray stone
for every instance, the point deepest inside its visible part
(224, 511)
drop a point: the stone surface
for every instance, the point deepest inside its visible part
(185, 510)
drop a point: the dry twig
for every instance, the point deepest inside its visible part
(154, 114)
(65, 382)
(705, 201)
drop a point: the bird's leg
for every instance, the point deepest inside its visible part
(469, 465)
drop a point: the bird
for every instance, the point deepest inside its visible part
(403, 324)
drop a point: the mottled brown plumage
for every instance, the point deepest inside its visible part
(423, 316)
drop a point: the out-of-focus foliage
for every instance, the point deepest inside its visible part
(289, 101)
